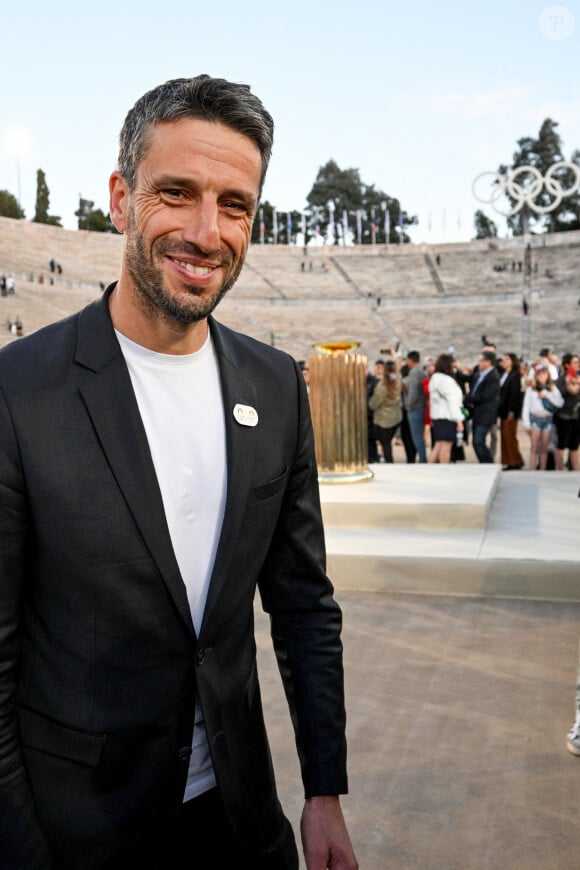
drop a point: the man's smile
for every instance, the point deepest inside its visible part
(193, 268)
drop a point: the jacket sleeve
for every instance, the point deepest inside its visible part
(306, 621)
(454, 398)
(414, 386)
(515, 396)
(22, 843)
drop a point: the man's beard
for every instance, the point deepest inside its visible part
(189, 306)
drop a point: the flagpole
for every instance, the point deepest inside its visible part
(385, 207)
(344, 227)
(331, 206)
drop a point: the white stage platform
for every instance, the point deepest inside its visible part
(456, 530)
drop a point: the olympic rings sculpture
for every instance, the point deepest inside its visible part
(527, 194)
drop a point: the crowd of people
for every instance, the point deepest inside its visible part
(435, 407)
(8, 288)
(7, 284)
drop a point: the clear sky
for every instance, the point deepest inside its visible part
(419, 96)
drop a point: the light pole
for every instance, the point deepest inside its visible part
(387, 221)
(527, 301)
(17, 144)
(534, 195)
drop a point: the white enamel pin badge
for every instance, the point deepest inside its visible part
(245, 415)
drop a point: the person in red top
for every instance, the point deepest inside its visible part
(429, 368)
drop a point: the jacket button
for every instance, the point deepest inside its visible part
(200, 657)
(184, 753)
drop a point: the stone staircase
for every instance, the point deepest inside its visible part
(462, 529)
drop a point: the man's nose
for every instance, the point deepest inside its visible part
(202, 225)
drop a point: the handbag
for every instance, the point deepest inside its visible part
(549, 406)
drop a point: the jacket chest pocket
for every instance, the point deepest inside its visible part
(269, 489)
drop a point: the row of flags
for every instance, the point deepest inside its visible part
(443, 222)
(346, 232)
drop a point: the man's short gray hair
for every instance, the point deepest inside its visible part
(201, 97)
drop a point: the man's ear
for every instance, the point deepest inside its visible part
(118, 200)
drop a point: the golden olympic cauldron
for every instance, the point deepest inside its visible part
(338, 402)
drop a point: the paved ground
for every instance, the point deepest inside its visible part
(458, 709)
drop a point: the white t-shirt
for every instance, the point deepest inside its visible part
(180, 401)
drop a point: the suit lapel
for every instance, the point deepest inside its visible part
(108, 395)
(241, 443)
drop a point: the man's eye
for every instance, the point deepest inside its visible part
(234, 206)
(173, 192)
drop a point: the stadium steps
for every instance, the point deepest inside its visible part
(434, 275)
(300, 307)
(463, 529)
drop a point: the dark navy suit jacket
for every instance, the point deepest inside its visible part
(100, 665)
(484, 401)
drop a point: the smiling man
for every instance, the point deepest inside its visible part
(155, 469)
(188, 220)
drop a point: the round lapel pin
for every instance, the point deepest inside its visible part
(245, 415)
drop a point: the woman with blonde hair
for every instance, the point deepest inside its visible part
(541, 400)
(387, 407)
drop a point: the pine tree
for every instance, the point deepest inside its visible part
(542, 152)
(485, 228)
(93, 219)
(41, 215)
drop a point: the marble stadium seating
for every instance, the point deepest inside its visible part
(373, 295)
(461, 530)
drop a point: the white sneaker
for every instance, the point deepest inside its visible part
(573, 737)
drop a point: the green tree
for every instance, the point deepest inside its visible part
(343, 187)
(99, 222)
(338, 190)
(94, 220)
(9, 205)
(41, 215)
(541, 153)
(485, 228)
(295, 220)
(334, 189)
(334, 192)
(567, 217)
(265, 215)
